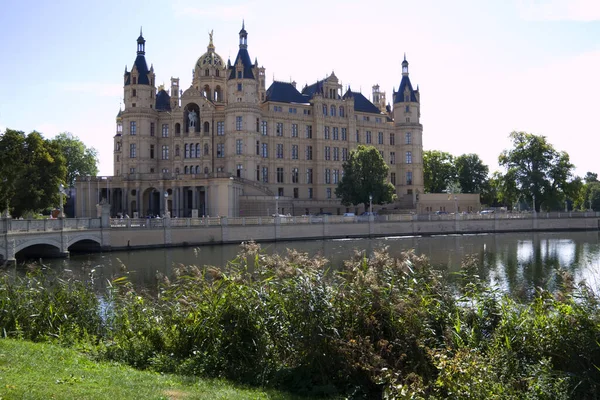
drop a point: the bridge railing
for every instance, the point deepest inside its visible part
(40, 225)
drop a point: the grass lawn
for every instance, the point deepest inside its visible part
(42, 371)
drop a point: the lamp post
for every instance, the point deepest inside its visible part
(277, 206)
(61, 191)
(370, 204)
(166, 210)
(534, 211)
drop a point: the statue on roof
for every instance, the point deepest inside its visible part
(210, 35)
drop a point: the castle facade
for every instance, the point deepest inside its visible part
(229, 146)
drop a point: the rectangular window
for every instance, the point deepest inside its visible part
(326, 133)
(381, 154)
(336, 176)
(238, 146)
(309, 175)
(327, 176)
(265, 150)
(408, 138)
(294, 152)
(151, 151)
(357, 136)
(265, 174)
(151, 128)
(132, 170)
(294, 130)
(280, 150)
(336, 133)
(336, 154)
(393, 178)
(239, 87)
(309, 131)
(368, 138)
(327, 153)
(132, 150)
(380, 138)
(392, 157)
(258, 173)
(344, 154)
(328, 193)
(279, 129)
(408, 157)
(295, 193)
(239, 74)
(165, 130)
(264, 128)
(310, 193)
(279, 175)
(220, 128)
(165, 152)
(132, 128)
(238, 123)
(309, 152)
(295, 175)
(392, 139)
(293, 110)
(344, 134)
(220, 150)
(409, 177)
(324, 109)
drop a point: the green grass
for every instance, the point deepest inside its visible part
(45, 371)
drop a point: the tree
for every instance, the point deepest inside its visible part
(471, 172)
(540, 172)
(365, 173)
(590, 177)
(439, 171)
(32, 168)
(81, 160)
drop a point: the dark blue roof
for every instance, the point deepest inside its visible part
(361, 103)
(399, 95)
(163, 101)
(142, 67)
(316, 87)
(245, 57)
(284, 92)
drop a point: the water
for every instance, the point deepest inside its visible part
(516, 262)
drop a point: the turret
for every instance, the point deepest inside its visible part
(139, 87)
(406, 100)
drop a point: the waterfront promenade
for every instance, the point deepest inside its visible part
(56, 238)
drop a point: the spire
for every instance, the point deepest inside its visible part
(404, 66)
(243, 37)
(141, 44)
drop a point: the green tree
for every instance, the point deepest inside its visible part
(32, 168)
(471, 172)
(365, 173)
(81, 160)
(539, 171)
(439, 171)
(590, 177)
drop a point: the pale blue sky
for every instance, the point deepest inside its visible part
(484, 68)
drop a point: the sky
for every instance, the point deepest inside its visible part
(484, 68)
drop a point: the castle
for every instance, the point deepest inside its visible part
(229, 146)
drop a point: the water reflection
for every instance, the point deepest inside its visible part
(517, 262)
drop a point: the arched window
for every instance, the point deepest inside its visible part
(206, 127)
(206, 170)
(324, 109)
(187, 151)
(342, 111)
(177, 129)
(186, 170)
(206, 91)
(206, 149)
(197, 150)
(197, 169)
(217, 72)
(333, 111)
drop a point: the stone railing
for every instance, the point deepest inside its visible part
(41, 225)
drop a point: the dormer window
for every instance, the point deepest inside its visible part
(239, 87)
(134, 80)
(239, 74)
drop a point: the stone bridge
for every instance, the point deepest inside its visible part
(51, 237)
